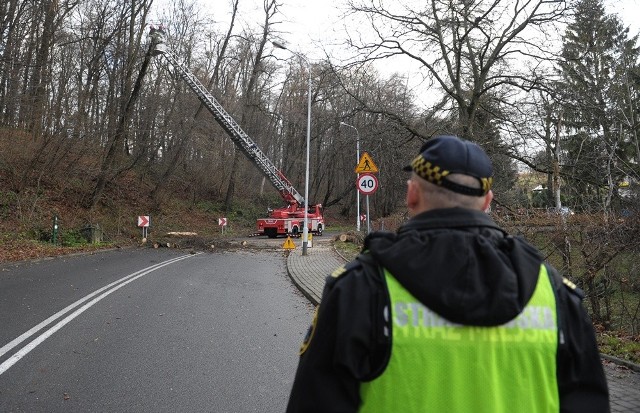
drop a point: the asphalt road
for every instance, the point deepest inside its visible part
(134, 331)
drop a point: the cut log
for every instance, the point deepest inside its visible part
(349, 237)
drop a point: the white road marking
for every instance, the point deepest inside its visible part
(106, 290)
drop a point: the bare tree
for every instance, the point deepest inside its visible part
(189, 26)
(130, 92)
(271, 9)
(468, 49)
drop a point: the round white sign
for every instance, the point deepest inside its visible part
(367, 184)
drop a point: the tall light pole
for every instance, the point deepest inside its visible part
(305, 230)
(357, 160)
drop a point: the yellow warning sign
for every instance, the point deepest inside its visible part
(366, 164)
(288, 244)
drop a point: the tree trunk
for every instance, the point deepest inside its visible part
(107, 172)
(228, 200)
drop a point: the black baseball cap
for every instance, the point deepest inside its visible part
(444, 155)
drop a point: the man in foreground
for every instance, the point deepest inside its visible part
(449, 314)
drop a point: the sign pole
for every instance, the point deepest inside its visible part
(358, 204)
(368, 219)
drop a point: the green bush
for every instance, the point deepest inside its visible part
(40, 234)
(71, 238)
(621, 347)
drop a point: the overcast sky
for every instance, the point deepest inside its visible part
(306, 24)
(313, 19)
(308, 21)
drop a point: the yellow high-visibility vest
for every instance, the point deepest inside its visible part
(440, 366)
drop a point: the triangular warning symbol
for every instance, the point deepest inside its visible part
(366, 164)
(288, 244)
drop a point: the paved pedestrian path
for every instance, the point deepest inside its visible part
(309, 272)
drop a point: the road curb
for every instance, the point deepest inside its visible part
(302, 288)
(631, 366)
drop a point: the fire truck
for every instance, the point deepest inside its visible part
(288, 220)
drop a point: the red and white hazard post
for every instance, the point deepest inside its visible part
(143, 222)
(223, 223)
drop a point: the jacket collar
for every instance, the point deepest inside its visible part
(449, 218)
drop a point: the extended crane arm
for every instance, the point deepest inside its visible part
(226, 121)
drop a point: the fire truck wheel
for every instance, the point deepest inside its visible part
(295, 231)
(320, 230)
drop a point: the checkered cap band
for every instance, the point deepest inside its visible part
(434, 174)
(427, 171)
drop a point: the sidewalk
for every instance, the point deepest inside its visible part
(309, 272)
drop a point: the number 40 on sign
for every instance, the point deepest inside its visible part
(367, 184)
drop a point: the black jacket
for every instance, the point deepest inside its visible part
(461, 265)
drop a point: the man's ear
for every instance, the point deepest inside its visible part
(487, 200)
(413, 195)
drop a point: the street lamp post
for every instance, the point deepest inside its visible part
(305, 230)
(357, 160)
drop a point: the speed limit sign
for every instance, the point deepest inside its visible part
(367, 184)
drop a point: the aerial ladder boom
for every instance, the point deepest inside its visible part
(226, 121)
